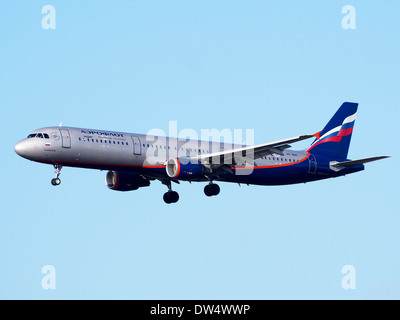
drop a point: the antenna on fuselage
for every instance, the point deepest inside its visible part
(60, 125)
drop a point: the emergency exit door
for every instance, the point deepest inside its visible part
(137, 149)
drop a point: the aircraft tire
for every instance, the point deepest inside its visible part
(171, 197)
(215, 189)
(212, 190)
(56, 181)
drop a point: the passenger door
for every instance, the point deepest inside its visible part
(66, 138)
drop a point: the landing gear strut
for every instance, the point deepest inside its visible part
(170, 196)
(211, 189)
(57, 181)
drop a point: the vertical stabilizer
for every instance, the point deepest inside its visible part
(334, 139)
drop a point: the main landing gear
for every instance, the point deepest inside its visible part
(57, 181)
(211, 189)
(170, 196)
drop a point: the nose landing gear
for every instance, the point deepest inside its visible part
(56, 181)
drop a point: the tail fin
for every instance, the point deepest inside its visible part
(334, 139)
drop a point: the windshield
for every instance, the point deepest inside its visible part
(39, 135)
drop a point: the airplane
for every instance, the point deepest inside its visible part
(133, 160)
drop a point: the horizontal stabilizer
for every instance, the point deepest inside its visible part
(340, 165)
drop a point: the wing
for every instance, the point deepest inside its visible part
(253, 152)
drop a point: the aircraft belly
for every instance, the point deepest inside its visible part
(272, 176)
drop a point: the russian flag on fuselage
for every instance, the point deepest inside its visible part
(334, 139)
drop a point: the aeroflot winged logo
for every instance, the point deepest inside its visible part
(100, 133)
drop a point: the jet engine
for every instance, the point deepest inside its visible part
(184, 169)
(125, 181)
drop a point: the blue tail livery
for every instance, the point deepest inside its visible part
(133, 160)
(334, 139)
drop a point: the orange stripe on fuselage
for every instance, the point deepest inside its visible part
(152, 167)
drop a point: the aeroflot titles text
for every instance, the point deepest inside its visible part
(120, 135)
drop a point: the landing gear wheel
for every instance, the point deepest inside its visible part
(207, 190)
(171, 197)
(215, 189)
(56, 181)
(211, 189)
(166, 198)
(175, 196)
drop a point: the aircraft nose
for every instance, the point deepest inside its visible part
(21, 148)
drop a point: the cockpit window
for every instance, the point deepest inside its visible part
(39, 135)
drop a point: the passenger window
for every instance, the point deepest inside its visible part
(126, 143)
(80, 139)
(114, 142)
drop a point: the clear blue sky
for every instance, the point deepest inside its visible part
(281, 69)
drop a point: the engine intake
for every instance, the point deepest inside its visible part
(125, 181)
(184, 169)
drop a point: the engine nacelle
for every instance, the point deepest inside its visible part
(184, 169)
(125, 181)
